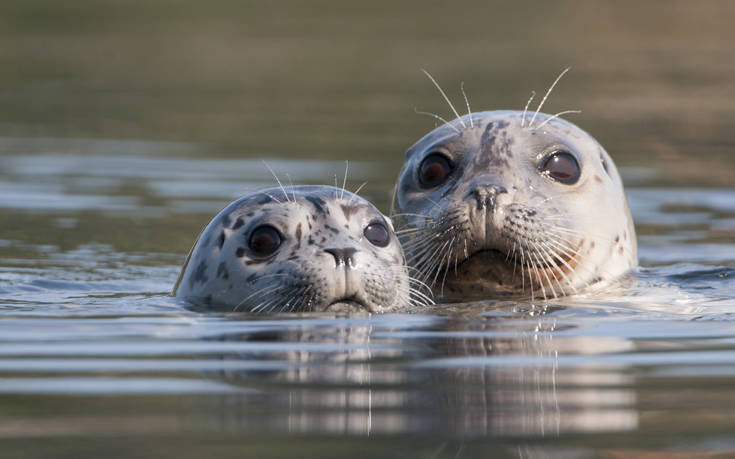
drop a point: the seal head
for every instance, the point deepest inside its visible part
(489, 206)
(302, 248)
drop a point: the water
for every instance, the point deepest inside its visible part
(120, 138)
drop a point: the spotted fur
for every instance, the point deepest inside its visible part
(324, 261)
(498, 225)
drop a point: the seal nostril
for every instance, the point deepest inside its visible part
(486, 194)
(342, 256)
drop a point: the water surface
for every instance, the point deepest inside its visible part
(122, 134)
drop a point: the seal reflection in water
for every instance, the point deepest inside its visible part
(512, 203)
(301, 248)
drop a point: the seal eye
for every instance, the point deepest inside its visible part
(377, 234)
(434, 170)
(562, 167)
(264, 240)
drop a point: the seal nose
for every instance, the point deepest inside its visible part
(485, 195)
(342, 256)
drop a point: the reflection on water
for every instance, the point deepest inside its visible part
(91, 343)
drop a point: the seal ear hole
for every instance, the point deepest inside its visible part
(264, 241)
(562, 167)
(377, 234)
(604, 164)
(434, 170)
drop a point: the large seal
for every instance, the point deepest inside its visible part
(302, 248)
(510, 203)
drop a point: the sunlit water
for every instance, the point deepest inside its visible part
(92, 346)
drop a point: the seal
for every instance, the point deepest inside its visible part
(509, 203)
(300, 248)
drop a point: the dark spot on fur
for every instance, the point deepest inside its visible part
(250, 214)
(592, 244)
(240, 252)
(349, 211)
(265, 199)
(310, 241)
(200, 274)
(226, 221)
(617, 238)
(221, 240)
(318, 203)
(251, 277)
(604, 164)
(238, 223)
(222, 271)
(298, 237)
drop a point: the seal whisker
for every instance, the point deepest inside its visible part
(551, 88)
(445, 98)
(523, 117)
(448, 259)
(271, 196)
(557, 115)
(538, 275)
(553, 254)
(256, 294)
(293, 190)
(467, 102)
(344, 182)
(539, 267)
(552, 267)
(407, 214)
(354, 193)
(277, 180)
(434, 115)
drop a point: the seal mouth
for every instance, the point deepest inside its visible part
(347, 304)
(515, 260)
(493, 272)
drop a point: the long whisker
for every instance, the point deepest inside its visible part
(467, 102)
(277, 180)
(551, 88)
(344, 182)
(445, 98)
(354, 193)
(434, 115)
(557, 115)
(523, 119)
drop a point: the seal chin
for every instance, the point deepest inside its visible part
(351, 304)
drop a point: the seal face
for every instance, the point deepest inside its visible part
(302, 248)
(489, 206)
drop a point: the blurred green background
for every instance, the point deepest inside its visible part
(340, 80)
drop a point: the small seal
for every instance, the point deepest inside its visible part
(301, 248)
(512, 203)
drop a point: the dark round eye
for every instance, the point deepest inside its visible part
(434, 170)
(562, 167)
(264, 240)
(377, 234)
